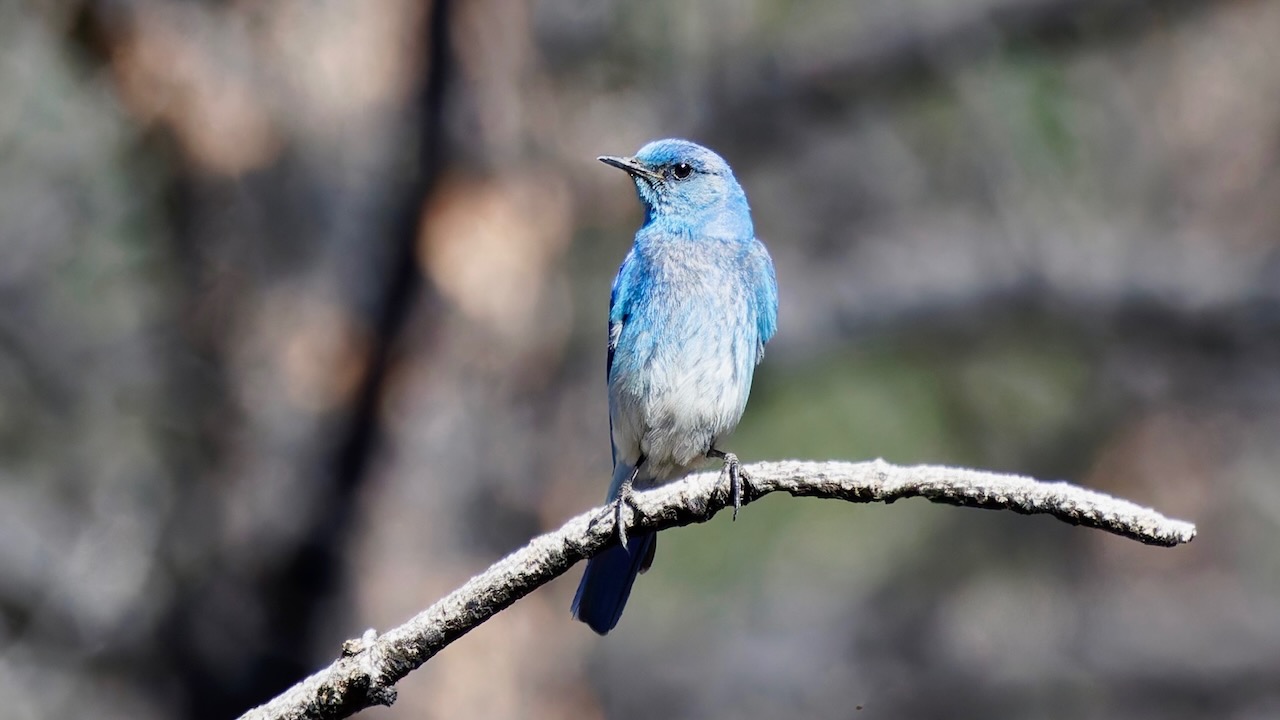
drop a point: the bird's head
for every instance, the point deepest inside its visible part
(681, 179)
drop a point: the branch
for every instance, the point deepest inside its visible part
(366, 673)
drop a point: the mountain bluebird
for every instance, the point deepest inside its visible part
(691, 309)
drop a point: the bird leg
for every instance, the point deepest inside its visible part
(625, 497)
(734, 470)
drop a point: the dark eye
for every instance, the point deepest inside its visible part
(681, 171)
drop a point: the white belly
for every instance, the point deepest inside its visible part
(680, 402)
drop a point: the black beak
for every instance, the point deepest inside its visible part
(631, 166)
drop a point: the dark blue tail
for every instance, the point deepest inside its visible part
(606, 584)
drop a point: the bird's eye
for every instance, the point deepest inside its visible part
(681, 171)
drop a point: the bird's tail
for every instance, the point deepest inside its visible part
(607, 582)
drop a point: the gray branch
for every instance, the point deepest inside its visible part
(369, 668)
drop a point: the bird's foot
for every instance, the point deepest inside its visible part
(733, 469)
(625, 500)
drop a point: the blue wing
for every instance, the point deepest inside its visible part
(766, 296)
(607, 581)
(619, 296)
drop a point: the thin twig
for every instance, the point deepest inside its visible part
(366, 673)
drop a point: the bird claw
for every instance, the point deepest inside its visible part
(733, 469)
(736, 475)
(625, 498)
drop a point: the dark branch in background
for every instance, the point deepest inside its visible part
(314, 572)
(401, 286)
(366, 673)
(291, 592)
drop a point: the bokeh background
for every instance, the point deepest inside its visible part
(302, 323)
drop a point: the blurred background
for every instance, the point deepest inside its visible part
(302, 324)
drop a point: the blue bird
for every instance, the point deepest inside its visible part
(691, 309)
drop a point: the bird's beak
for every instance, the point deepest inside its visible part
(631, 166)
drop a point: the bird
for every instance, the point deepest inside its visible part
(690, 311)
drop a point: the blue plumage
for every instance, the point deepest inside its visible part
(692, 307)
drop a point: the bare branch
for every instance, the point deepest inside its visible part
(366, 673)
